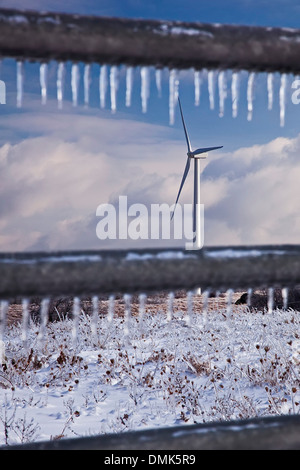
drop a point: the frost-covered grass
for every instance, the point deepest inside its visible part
(84, 378)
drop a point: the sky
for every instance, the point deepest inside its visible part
(59, 165)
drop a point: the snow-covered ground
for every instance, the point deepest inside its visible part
(92, 376)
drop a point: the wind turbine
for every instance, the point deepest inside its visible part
(197, 155)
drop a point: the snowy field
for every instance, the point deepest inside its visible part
(91, 376)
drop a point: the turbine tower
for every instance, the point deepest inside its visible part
(197, 155)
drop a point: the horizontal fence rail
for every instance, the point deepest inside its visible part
(270, 433)
(45, 36)
(88, 273)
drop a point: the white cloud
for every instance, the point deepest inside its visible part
(261, 203)
(52, 183)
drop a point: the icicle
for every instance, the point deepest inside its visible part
(144, 88)
(127, 300)
(75, 83)
(216, 299)
(170, 306)
(173, 94)
(44, 320)
(270, 300)
(95, 301)
(25, 321)
(250, 95)
(20, 79)
(86, 83)
(285, 297)
(3, 314)
(229, 294)
(205, 298)
(113, 80)
(222, 91)
(234, 93)
(129, 81)
(158, 81)
(59, 83)
(103, 85)
(190, 307)
(142, 300)
(249, 295)
(197, 84)
(75, 316)
(43, 82)
(282, 91)
(111, 308)
(211, 88)
(270, 80)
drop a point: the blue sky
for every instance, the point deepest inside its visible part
(262, 12)
(58, 165)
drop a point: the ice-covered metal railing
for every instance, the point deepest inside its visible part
(46, 36)
(268, 433)
(77, 273)
(209, 50)
(105, 272)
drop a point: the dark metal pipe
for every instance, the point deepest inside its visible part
(269, 433)
(45, 36)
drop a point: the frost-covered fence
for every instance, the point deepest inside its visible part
(269, 433)
(172, 44)
(260, 358)
(215, 54)
(149, 46)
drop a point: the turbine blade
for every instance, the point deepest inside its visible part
(186, 170)
(184, 127)
(204, 150)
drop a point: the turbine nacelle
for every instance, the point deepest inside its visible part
(203, 152)
(191, 155)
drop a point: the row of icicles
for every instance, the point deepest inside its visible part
(4, 306)
(109, 82)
